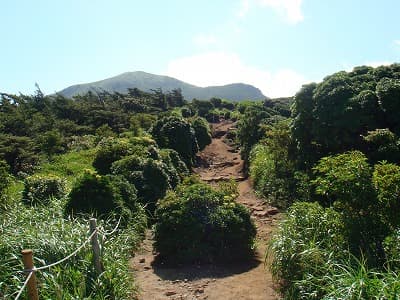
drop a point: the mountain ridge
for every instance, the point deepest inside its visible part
(147, 81)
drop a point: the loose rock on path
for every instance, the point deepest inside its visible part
(242, 280)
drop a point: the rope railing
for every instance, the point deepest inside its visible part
(30, 269)
(24, 285)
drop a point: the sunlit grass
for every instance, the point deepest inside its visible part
(52, 237)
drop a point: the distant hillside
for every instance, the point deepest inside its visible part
(146, 82)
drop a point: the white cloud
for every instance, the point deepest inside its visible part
(205, 40)
(289, 9)
(219, 68)
(397, 42)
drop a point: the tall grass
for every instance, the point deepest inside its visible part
(310, 260)
(52, 237)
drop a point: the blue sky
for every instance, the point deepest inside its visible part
(276, 45)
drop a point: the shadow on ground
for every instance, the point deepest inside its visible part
(199, 271)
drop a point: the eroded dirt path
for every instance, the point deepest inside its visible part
(242, 280)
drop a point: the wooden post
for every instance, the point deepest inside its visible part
(27, 257)
(95, 247)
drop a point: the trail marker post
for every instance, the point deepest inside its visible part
(27, 257)
(95, 247)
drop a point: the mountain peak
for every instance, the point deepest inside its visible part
(147, 81)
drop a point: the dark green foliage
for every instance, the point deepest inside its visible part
(392, 250)
(386, 181)
(51, 142)
(202, 107)
(388, 92)
(334, 115)
(273, 171)
(250, 129)
(382, 144)
(199, 224)
(202, 131)
(177, 169)
(5, 181)
(40, 189)
(19, 153)
(104, 196)
(150, 177)
(176, 133)
(5, 176)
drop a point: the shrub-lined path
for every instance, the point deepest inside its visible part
(241, 280)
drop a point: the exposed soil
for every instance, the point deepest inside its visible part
(242, 280)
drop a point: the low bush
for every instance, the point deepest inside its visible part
(104, 196)
(39, 189)
(150, 177)
(176, 133)
(202, 131)
(110, 150)
(199, 224)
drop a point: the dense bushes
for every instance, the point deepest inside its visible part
(199, 224)
(202, 132)
(273, 171)
(40, 189)
(104, 196)
(177, 134)
(150, 177)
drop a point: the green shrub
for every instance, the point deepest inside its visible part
(202, 131)
(103, 196)
(176, 133)
(150, 177)
(39, 189)
(199, 224)
(110, 150)
(345, 180)
(392, 250)
(173, 160)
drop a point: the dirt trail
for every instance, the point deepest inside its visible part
(243, 280)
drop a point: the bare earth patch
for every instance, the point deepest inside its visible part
(240, 280)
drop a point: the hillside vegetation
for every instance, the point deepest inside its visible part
(334, 163)
(329, 158)
(123, 158)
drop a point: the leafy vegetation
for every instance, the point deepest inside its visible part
(199, 224)
(334, 163)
